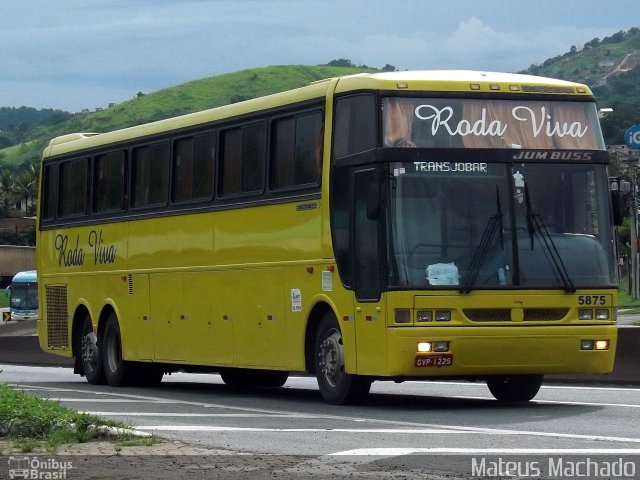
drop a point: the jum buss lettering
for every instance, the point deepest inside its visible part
(73, 255)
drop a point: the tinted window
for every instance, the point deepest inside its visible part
(231, 156)
(150, 175)
(50, 192)
(355, 125)
(297, 151)
(74, 187)
(242, 160)
(109, 185)
(193, 168)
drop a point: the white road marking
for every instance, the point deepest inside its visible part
(560, 402)
(544, 387)
(201, 415)
(105, 400)
(207, 428)
(392, 452)
(426, 429)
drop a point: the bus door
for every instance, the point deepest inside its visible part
(366, 245)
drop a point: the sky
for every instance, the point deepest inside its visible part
(76, 54)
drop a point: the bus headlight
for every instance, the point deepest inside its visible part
(424, 347)
(424, 316)
(443, 315)
(440, 346)
(602, 314)
(585, 314)
(594, 344)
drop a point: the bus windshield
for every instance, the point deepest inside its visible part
(498, 225)
(24, 296)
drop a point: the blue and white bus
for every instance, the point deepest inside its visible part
(23, 296)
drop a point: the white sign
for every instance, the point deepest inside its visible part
(296, 300)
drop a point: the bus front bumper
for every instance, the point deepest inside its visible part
(482, 351)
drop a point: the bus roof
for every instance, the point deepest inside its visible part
(463, 81)
(25, 277)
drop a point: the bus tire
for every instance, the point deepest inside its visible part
(117, 371)
(336, 386)
(91, 354)
(514, 388)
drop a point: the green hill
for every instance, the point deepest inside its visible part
(181, 99)
(611, 67)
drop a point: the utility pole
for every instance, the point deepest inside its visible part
(633, 261)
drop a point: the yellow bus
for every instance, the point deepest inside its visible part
(387, 226)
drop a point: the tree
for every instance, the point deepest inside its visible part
(341, 62)
(388, 68)
(25, 188)
(592, 43)
(7, 191)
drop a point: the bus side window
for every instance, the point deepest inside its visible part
(74, 187)
(242, 160)
(49, 204)
(109, 182)
(297, 151)
(355, 125)
(150, 170)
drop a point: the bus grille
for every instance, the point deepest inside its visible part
(504, 314)
(544, 314)
(57, 316)
(488, 314)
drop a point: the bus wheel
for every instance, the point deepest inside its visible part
(514, 388)
(90, 354)
(116, 370)
(336, 386)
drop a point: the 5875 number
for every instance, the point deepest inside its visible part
(596, 300)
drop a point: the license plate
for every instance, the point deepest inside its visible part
(443, 360)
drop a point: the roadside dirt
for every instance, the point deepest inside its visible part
(171, 460)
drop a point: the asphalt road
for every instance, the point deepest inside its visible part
(409, 430)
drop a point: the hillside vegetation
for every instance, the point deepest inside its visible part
(611, 67)
(181, 99)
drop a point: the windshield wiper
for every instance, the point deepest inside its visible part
(494, 225)
(535, 223)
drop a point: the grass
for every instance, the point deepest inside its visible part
(31, 422)
(624, 299)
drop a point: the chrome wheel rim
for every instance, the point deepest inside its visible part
(89, 352)
(331, 358)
